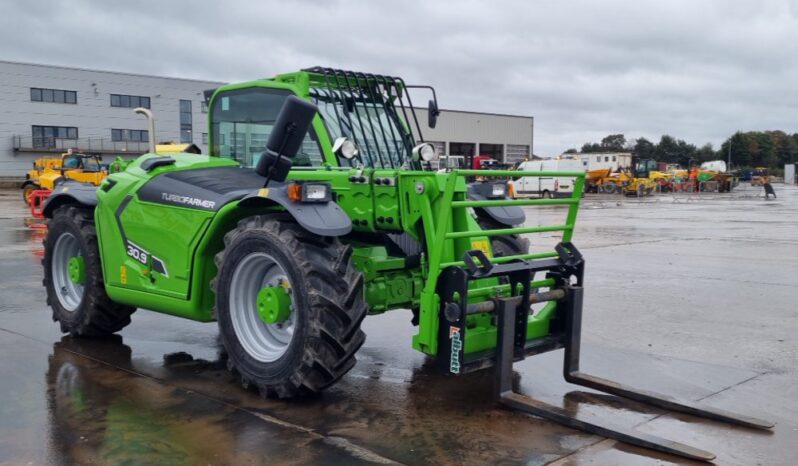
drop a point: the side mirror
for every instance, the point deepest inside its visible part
(286, 138)
(432, 114)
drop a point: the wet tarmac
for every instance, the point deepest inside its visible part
(694, 296)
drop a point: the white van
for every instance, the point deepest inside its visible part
(547, 187)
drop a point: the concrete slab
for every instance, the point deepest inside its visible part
(708, 280)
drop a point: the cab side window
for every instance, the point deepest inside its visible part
(242, 121)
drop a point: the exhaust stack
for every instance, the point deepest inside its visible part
(151, 123)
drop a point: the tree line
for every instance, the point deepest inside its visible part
(770, 149)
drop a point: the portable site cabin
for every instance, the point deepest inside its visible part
(612, 160)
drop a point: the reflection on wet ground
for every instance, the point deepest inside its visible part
(159, 393)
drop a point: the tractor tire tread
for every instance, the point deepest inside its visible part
(336, 306)
(100, 315)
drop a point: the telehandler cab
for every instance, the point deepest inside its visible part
(340, 217)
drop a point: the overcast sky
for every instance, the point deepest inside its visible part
(698, 70)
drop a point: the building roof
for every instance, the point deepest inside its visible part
(507, 115)
(91, 70)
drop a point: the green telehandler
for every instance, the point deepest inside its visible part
(316, 207)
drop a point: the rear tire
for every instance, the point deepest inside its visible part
(82, 309)
(327, 307)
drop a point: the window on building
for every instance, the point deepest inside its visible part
(46, 136)
(598, 158)
(494, 151)
(58, 96)
(130, 135)
(204, 107)
(613, 158)
(129, 101)
(466, 149)
(185, 122)
(607, 158)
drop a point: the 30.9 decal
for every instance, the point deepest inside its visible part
(137, 253)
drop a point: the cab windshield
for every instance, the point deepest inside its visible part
(368, 117)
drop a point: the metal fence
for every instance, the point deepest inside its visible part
(102, 145)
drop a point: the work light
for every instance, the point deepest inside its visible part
(425, 152)
(345, 148)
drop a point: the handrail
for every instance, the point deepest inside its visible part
(508, 231)
(516, 173)
(519, 202)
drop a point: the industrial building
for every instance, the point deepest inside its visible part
(508, 138)
(48, 109)
(45, 110)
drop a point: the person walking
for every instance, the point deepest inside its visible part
(768, 187)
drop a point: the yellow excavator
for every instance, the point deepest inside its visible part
(627, 182)
(47, 171)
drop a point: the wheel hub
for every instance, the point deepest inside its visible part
(261, 307)
(77, 270)
(274, 304)
(68, 271)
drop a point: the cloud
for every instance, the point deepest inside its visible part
(698, 70)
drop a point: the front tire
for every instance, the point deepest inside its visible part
(504, 245)
(26, 191)
(314, 343)
(73, 276)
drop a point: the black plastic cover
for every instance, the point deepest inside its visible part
(202, 188)
(509, 215)
(155, 162)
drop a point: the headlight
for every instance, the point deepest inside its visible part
(498, 190)
(345, 148)
(309, 192)
(315, 192)
(425, 152)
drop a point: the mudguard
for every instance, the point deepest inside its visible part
(70, 192)
(510, 215)
(321, 218)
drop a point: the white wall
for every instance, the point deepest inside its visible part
(789, 173)
(595, 161)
